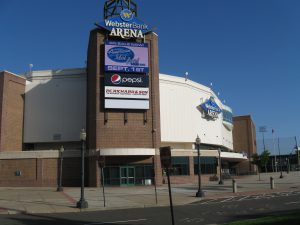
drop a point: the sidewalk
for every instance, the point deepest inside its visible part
(47, 200)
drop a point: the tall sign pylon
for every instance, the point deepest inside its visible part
(114, 7)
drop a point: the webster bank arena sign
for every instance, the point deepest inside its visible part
(126, 25)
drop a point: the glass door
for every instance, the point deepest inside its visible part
(131, 176)
(127, 175)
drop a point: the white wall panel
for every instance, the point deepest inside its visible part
(181, 120)
(54, 105)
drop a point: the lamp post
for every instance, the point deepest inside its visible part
(199, 193)
(280, 160)
(82, 203)
(297, 154)
(220, 166)
(263, 129)
(61, 151)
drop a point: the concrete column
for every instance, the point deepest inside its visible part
(272, 183)
(234, 186)
(157, 170)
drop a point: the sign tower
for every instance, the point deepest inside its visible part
(123, 110)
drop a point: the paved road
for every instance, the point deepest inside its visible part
(213, 211)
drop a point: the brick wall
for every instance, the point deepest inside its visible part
(12, 89)
(39, 172)
(108, 128)
(115, 132)
(244, 140)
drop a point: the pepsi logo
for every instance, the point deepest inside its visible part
(116, 79)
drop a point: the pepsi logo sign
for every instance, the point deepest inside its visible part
(129, 80)
(120, 54)
(116, 79)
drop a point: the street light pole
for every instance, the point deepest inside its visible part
(82, 203)
(199, 193)
(297, 153)
(263, 129)
(220, 166)
(275, 159)
(61, 151)
(280, 161)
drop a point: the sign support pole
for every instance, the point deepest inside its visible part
(154, 176)
(166, 162)
(170, 196)
(103, 187)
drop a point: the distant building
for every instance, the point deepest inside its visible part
(244, 141)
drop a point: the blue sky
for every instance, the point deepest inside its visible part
(248, 49)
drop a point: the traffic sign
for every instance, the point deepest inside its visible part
(165, 157)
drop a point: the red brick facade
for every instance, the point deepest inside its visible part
(12, 90)
(38, 172)
(244, 140)
(109, 128)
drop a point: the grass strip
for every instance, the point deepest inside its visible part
(283, 219)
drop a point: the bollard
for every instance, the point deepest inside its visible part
(234, 186)
(272, 183)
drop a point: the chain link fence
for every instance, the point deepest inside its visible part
(284, 153)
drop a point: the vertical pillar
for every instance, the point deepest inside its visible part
(39, 172)
(157, 170)
(93, 172)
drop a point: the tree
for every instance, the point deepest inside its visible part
(264, 158)
(256, 161)
(261, 160)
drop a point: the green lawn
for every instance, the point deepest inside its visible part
(283, 219)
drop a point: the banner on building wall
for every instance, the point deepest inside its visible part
(126, 104)
(211, 109)
(126, 92)
(126, 57)
(129, 80)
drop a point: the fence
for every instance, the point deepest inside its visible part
(284, 153)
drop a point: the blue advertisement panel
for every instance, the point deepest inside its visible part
(126, 57)
(126, 80)
(211, 109)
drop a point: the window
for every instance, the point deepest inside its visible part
(180, 166)
(227, 116)
(143, 172)
(112, 175)
(208, 165)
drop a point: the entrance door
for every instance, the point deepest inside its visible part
(127, 175)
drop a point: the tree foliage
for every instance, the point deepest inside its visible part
(261, 160)
(264, 158)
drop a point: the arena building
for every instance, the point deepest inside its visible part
(127, 108)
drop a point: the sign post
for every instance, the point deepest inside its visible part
(154, 176)
(166, 163)
(101, 162)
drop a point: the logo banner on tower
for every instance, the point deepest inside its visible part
(126, 57)
(211, 109)
(126, 25)
(129, 80)
(126, 92)
(126, 104)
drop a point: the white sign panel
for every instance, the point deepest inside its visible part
(126, 104)
(126, 92)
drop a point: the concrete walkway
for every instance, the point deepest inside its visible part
(48, 200)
